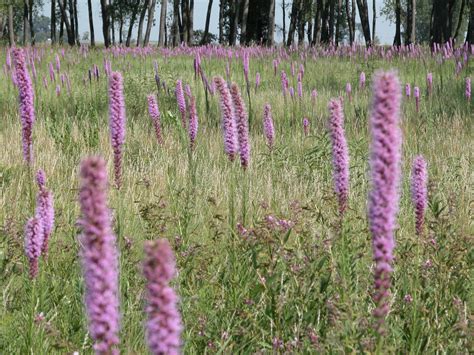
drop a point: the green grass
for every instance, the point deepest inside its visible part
(310, 288)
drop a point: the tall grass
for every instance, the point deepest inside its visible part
(291, 278)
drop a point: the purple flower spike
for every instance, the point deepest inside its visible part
(231, 145)
(314, 96)
(154, 112)
(99, 257)
(41, 179)
(429, 82)
(416, 93)
(193, 122)
(181, 101)
(407, 90)
(242, 122)
(305, 126)
(340, 154)
(362, 81)
(163, 327)
(419, 191)
(349, 91)
(26, 103)
(117, 122)
(468, 89)
(268, 128)
(385, 156)
(33, 243)
(284, 83)
(44, 210)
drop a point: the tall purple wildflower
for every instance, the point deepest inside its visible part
(340, 153)
(419, 191)
(305, 126)
(179, 93)
(163, 328)
(284, 83)
(231, 145)
(117, 122)
(193, 122)
(257, 81)
(268, 128)
(246, 62)
(26, 103)
(416, 93)
(275, 67)
(429, 82)
(44, 210)
(154, 112)
(385, 159)
(362, 81)
(407, 90)
(99, 257)
(242, 123)
(33, 243)
(314, 96)
(468, 89)
(349, 91)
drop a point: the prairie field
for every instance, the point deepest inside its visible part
(265, 262)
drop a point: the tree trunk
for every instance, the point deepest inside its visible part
(191, 22)
(325, 31)
(221, 22)
(449, 28)
(271, 24)
(184, 15)
(317, 23)
(11, 33)
(353, 18)
(374, 19)
(470, 27)
(61, 29)
(3, 21)
(245, 14)
(133, 18)
(397, 41)
(112, 20)
(26, 24)
(30, 19)
(338, 23)
(301, 22)
(121, 29)
(105, 22)
(350, 24)
(151, 16)
(461, 11)
(309, 31)
(76, 24)
(208, 19)
(175, 29)
(439, 32)
(364, 20)
(71, 19)
(163, 10)
(283, 9)
(332, 20)
(233, 23)
(293, 20)
(65, 20)
(53, 21)
(141, 21)
(91, 23)
(410, 26)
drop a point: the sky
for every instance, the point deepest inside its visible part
(384, 29)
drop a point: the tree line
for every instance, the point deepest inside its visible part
(244, 21)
